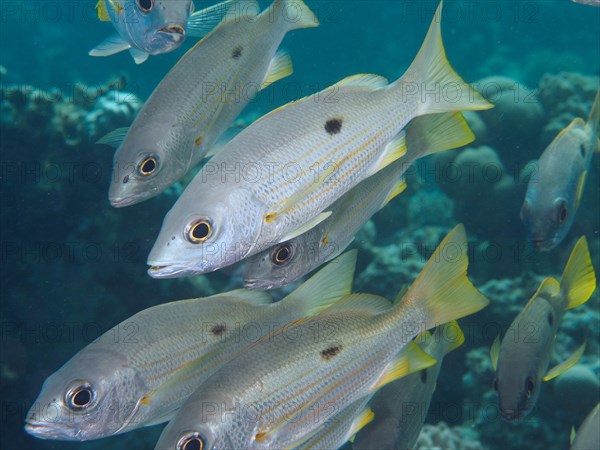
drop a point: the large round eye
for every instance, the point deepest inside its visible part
(529, 386)
(80, 396)
(145, 5)
(282, 254)
(148, 165)
(192, 441)
(198, 231)
(563, 213)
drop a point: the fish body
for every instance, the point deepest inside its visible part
(290, 260)
(141, 371)
(275, 179)
(554, 191)
(199, 99)
(588, 434)
(152, 27)
(522, 359)
(315, 368)
(400, 408)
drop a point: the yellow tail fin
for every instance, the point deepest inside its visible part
(437, 86)
(411, 359)
(442, 292)
(578, 280)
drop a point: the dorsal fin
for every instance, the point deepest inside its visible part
(364, 81)
(578, 280)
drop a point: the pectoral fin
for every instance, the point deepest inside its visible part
(395, 150)
(114, 138)
(565, 365)
(307, 226)
(494, 352)
(360, 422)
(138, 55)
(111, 45)
(201, 22)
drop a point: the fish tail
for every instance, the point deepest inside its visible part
(433, 82)
(325, 287)
(295, 13)
(578, 280)
(442, 292)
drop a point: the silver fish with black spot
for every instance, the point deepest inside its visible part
(141, 371)
(311, 370)
(199, 99)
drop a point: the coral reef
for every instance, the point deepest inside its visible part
(441, 436)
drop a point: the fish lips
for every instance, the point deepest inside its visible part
(174, 270)
(43, 430)
(121, 202)
(172, 34)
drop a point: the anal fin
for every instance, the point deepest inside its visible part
(280, 67)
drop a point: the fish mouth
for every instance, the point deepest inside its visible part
(263, 285)
(510, 414)
(173, 270)
(121, 202)
(42, 430)
(174, 33)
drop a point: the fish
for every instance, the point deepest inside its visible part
(140, 372)
(588, 435)
(152, 27)
(200, 97)
(401, 407)
(288, 261)
(555, 188)
(314, 368)
(277, 177)
(522, 358)
(341, 428)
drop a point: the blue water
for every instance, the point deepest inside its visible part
(73, 266)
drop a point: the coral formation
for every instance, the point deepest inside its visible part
(441, 436)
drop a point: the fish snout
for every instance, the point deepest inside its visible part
(175, 33)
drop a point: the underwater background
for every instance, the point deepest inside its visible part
(73, 266)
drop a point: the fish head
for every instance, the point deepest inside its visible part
(206, 229)
(202, 423)
(150, 160)
(157, 26)
(547, 221)
(94, 395)
(517, 391)
(279, 265)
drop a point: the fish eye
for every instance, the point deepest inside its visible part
(529, 386)
(80, 396)
(198, 231)
(282, 254)
(148, 165)
(145, 5)
(191, 441)
(562, 212)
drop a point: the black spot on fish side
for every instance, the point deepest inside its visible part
(333, 126)
(237, 52)
(582, 150)
(423, 376)
(550, 319)
(330, 352)
(218, 330)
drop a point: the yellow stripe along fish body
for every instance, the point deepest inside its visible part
(141, 371)
(284, 387)
(521, 360)
(276, 178)
(290, 260)
(200, 97)
(397, 411)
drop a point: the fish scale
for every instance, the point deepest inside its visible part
(331, 140)
(167, 351)
(314, 368)
(196, 102)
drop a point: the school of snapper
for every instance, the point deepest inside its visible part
(354, 358)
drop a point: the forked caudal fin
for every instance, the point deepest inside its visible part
(432, 82)
(442, 292)
(294, 13)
